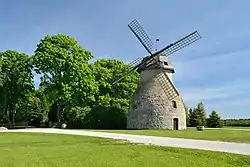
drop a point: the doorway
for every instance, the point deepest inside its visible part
(176, 123)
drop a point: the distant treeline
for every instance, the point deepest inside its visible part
(236, 122)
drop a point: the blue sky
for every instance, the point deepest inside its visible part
(214, 70)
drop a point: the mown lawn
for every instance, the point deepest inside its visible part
(229, 135)
(50, 150)
(237, 127)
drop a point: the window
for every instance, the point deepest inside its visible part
(165, 63)
(174, 104)
(134, 106)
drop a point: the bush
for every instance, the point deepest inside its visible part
(76, 117)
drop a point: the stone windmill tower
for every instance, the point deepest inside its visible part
(157, 103)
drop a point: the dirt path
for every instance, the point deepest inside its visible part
(238, 148)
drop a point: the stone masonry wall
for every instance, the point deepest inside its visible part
(150, 108)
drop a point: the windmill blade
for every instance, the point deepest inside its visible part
(122, 77)
(172, 48)
(137, 63)
(141, 35)
(168, 86)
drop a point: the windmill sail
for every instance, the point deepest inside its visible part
(167, 85)
(141, 35)
(174, 47)
(136, 62)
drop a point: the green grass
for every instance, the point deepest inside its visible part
(50, 150)
(228, 135)
(236, 127)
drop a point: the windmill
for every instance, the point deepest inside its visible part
(156, 104)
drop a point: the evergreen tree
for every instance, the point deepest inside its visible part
(190, 117)
(187, 115)
(201, 114)
(197, 116)
(214, 120)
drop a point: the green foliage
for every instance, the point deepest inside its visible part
(16, 81)
(189, 117)
(77, 92)
(112, 101)
(236, 122)
(214, 120)
(109, 109)
(110, 114)
(34, 108)
(106, 71)
(66, 74)
(76, 117)
(3, 119)
(197, 116)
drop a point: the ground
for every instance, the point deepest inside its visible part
(228, 134)
(50, 150)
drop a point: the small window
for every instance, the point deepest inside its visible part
(174, 104)
(165, 63)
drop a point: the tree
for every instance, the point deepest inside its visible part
(112, 101)
(34, 108)
(214, 120)
(236, 122)
(187, 114)
(197, 116)
(191, 118)
(66, 74)
(76, 117)
(16, 81)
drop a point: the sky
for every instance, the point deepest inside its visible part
(214, 70)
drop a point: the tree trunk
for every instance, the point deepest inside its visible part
(5, 105)
(58, 112)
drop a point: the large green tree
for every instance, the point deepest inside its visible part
(106, 71)
(112, 100)
(34, 109)
(16, 81)
(109, 110)
(65, 72)
(214, 120)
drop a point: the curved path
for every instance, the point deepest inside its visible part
(237, 148)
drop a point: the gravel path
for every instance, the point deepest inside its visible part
(238, 148)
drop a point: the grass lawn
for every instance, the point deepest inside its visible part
(237, 127)
(239, 136)
(50, 150)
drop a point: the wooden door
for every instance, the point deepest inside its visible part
(176, 123)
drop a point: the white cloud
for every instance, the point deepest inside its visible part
(220, 81)
(212, 65)
(232, 89)
(230, 100)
